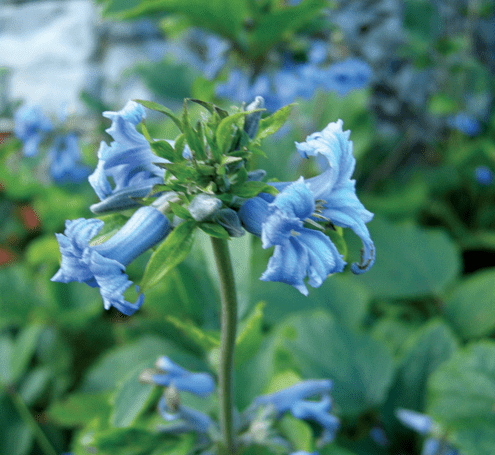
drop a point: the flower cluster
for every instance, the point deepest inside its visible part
(197, 185)
(255, 424)
(434, 444)
(32, 127)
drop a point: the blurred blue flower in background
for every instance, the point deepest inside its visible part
(31, 126)
(484, 175)
(169, 373)
(294, 399)
(465, 124)
(128, 161)
(65, 156)
(103, 264)
(424, 425)
(279, 221)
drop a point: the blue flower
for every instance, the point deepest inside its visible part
(300, 251)
(484, 175)
(425, 425)
(201, 384)
(347, 75)
(465, 124)
(294, 399)
(128, 161)
(190, 419)
(65, 156)
(31, 126)
(103, 265)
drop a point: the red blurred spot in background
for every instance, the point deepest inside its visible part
(7, 257)
(29, 217)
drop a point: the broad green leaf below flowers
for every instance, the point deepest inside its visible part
(413, 261)
(318, 347)
(461, 398)
(470, 307)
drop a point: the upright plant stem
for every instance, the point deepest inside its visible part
(227, 343)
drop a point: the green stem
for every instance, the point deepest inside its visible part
(30, 421)
(227, 343)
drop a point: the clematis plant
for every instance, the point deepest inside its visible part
(202, 179)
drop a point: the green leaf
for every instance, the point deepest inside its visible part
(169, 254)
(134, 441)
(15, 437)
(253, 188)
(441, 104)
(270, 125)
(131, 397)
(6, 350)
(79, 409)
(298, 432)
(164, 110)
(163, 149)
(206, 341)
(212, 108)
(195, 143)
(270, 29)
(428, 348)
(250, 335)
(223, 18)
(226, 130)
(24, 348)
(411, 261)
(470, 307)
(214, 230)
(461, 398)
(42, 250)
(180, 211)
(422, 18)
(361, 368)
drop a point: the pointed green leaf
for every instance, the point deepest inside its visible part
(24, 347)
(253, 188)
(203, 339)
(163, 149)
(215, 230)
(169, 254)
(250, 335)
(270, 125)
(195, 143)
(180, 211)
(211, 108)
(164, 110)
(226, 129)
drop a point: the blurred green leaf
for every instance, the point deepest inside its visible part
(15, 437)
(431, 345)
(24, 348)
(470, 306)
(298, 432)
(319, 347)
(169, 254)
(34, 383)
(6, 350)
(410, 261)
(461, 397)
(205, 340)
(164, 110)
(79, 408)
(250, 335)
(42, 250)
(441, 104)
(422, 18)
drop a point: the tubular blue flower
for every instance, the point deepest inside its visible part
(279, 221)
(31, 126)
(201, 384)
(128, 161)
(285, 399)
(191, 420)
(103, 265)
(65, 156)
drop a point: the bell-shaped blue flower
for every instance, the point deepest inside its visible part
(31, 126)
(201, 384)
(128, 161)
(335, 187)
(104, 264)
(65, 158)
(279, 221)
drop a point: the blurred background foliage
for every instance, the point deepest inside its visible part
(417, 331)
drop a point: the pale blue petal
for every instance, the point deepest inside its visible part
(195, 421)
(421, 423)
(253, 214)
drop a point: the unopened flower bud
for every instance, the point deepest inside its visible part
(252, 121)
(172, 398)
(204, 206)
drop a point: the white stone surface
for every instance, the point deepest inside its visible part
(48, 47)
